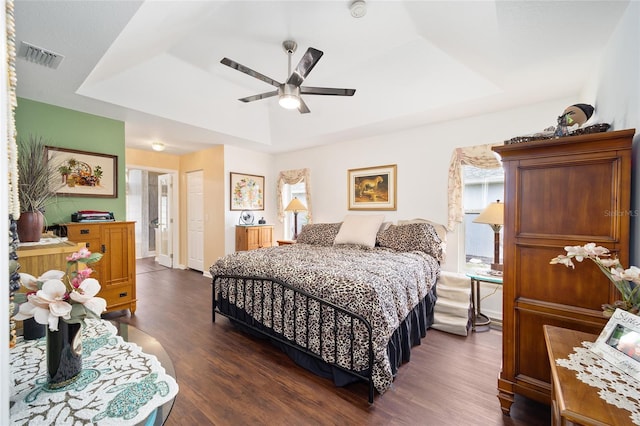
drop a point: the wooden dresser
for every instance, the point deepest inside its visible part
(116, 271)
(561, 192)
(253, 237)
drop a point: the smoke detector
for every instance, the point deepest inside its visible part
(358, 8)
(39, 56)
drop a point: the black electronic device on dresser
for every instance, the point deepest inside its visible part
(92, 216)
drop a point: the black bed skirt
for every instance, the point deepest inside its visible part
(408, 334)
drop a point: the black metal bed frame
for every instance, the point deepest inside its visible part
(258, 285)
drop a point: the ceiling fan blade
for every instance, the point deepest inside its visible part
(236, 66)
(258, 97)
(306, 64)
(326, 91)
(303, 108)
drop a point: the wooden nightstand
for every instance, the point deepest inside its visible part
(285, 242)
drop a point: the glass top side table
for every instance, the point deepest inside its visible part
(480, 319)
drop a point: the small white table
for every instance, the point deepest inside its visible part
(480, 319)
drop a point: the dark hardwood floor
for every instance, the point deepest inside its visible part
(229, 378)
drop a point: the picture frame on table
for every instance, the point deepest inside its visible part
(372, 188)
(619, 342)
(84, 173)
(246, 191)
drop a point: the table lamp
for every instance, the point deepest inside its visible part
(295, 206)
(493, 215)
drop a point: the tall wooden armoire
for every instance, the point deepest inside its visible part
(560, 192)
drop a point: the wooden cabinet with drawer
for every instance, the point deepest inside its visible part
(253, 237)
(116, 271)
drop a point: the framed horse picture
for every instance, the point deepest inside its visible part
(372, 188)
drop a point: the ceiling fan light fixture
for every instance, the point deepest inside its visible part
(289, 96)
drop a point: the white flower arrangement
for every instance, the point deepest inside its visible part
(627, 281)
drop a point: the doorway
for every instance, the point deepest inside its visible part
(151, 206)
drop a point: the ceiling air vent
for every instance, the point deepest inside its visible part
(39, 56)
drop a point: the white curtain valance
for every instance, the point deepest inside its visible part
(480, 156)
(291, 177)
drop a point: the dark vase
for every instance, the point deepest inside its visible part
(64, 354)
(30, 227)
(32, 330)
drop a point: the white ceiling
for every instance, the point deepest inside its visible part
(156, 64)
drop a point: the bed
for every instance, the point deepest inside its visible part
(341, 306)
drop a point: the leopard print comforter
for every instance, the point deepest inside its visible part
(379, 284)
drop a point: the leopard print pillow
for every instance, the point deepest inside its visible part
(410, 237)
(321, 234)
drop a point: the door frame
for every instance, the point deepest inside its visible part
(175, 211)
(162, 258)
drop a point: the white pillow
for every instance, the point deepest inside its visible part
(359, 229)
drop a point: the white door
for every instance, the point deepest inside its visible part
(164, 240)
(195, 221)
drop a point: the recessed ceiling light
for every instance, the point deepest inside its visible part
(157, 146)
(358, 8)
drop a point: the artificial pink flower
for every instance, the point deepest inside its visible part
(83, 253)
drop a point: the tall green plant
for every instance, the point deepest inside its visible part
(38, 179)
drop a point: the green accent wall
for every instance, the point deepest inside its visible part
(66, 128)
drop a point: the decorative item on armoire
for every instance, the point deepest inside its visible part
(627, 281)
(572, 116)
(575, 114)
(62, 300)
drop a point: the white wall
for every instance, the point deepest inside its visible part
(617, 90)
(239, 160)
(422, 155)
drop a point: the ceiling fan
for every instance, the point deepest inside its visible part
(290, 91)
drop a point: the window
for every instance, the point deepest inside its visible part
(289, 192)
(481, 187)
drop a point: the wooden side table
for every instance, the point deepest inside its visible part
(573, 401)
(285, 242)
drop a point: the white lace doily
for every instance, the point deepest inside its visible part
(616, 387)
(119, 384)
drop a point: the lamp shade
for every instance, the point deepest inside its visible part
(295, 206)
(493, 214)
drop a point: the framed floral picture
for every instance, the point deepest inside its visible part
(372, 188)
(247, 191)
(619, 342)
(85, 174)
